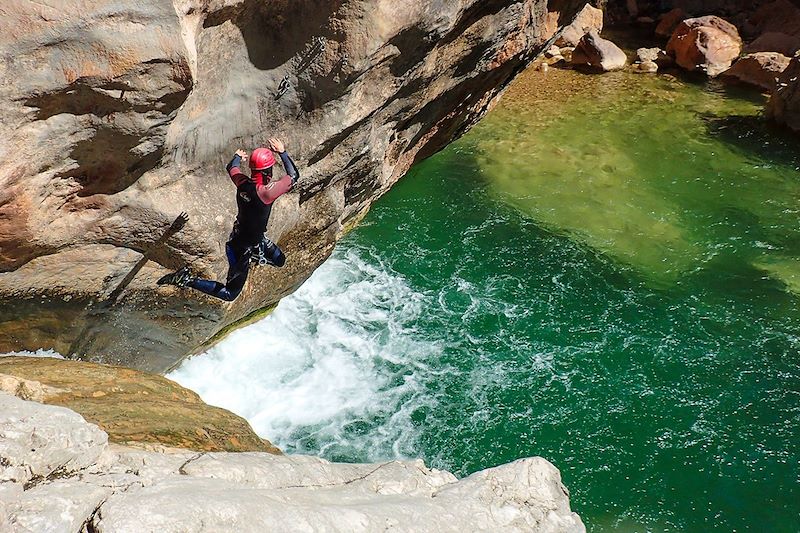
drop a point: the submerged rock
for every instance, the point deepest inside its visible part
(709, 44)
(783, 106)
(589, 18)
(130, 406)
(127, 113)
(122, 489)
(599, 54)
(761, 69)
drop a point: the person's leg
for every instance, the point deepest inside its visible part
(273, 254)
(238, 268)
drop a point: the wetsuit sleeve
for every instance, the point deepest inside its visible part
(270, 192)
(291, 168)
(233, 170)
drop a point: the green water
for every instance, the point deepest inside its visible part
(611, 266)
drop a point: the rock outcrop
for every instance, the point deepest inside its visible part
(599, 54)
(761, 69)
(116, 117)
(57, 473)
(784, 104)
(132, 407)
(709, 44)
(589, 18)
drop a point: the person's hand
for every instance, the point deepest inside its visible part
(276, 145)
(241, 153)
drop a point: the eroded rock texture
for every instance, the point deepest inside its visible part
(58, 473)
(117, 116)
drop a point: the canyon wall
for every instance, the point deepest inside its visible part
(118, 116)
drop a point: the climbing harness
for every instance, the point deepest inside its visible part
(262, 253)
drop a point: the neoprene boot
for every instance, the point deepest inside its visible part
(179, 278)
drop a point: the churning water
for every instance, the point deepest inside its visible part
(605, 272)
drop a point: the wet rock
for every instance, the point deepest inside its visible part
(669, 21)
(589, 18)
(131, 406)
(132, 111)
(709, 44)
(784, 44)
(599, 54)
(761, 69)
(133, 490)
(783, 106)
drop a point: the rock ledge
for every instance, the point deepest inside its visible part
(58, 473)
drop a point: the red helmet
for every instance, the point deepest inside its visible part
(261, 159)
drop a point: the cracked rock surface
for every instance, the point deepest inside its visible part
(117, 116)
(75, 481)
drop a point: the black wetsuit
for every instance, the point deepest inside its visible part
(254, 198)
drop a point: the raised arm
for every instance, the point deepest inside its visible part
(233, 168)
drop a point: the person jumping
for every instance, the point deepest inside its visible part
(254, 198)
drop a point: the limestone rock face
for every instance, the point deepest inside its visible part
(117, 116)
(36, 443)
(589, 18)
(122, 489)
(132, 407)
(709, 44)
(599, 54)
(761, 69)
(784, 104)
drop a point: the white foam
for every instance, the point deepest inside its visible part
(37, 353)
(338, 365)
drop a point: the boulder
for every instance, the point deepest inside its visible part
(648, 54)
(761, 69)
(783, 106)
(173, 491)
(669, 21)
(772, 41)
(708, 44)
(589, 18)
(133, 109)
(566, 53)
(646, 67)
(780, 16)
(597, 53)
